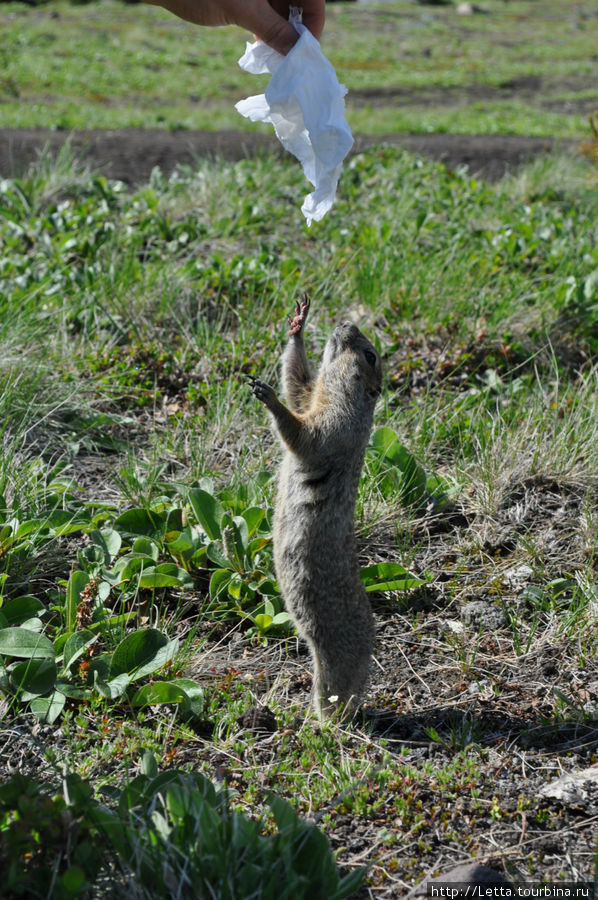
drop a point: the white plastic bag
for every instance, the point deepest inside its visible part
(305, 103)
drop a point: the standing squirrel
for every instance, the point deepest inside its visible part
(324, 433)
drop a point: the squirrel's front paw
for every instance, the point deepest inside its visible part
(299, 319)
(261, 390)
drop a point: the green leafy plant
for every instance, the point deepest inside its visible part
(175, 832)
(48, 843)
(399, 472)
(45, 673)
(389, 576)
(86, 644)
(29, 529)
(577, 297)
(238, 551)
(183, 832)
(590, 147)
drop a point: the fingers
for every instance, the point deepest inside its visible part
(273, 27)
(269, 21)
(314, 12)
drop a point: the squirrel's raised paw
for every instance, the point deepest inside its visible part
(298, 321)
(264, 393)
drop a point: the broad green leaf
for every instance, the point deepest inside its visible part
(34, 676)
(77, 584)
(268, 607)
(412, 484)
(216, 555)
(114, 688)
(440, 488)
(34, 624)
(73, 882)
(242, 529)
(236, 586)
(22, 608)
(5, 536)
(207, 510)
(219, 582)
(109, 541)
(72, 690)
(47, 709)
(179, 543)
(175, 571)
(384, 440)
(254, 517)
(349, 884)
(159, 692)
(388, 576)
(165, 575)
(76, 644)
(150, 578)
(194, 694)
(142, 653)
(31, 526)
(129, 567)
(144, 547)
(284, 814)
(148, 764)
(142, 522)
(23, 643)
(268, 588)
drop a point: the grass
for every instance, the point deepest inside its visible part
(520, 68)
(127, 323)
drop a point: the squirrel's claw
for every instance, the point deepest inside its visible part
(260, 389)
(297, 322)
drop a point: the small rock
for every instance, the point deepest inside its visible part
(469, 9)
(480, 613)
(465, 877)
(518, 575)
(578, 789)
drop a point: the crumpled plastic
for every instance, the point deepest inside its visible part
(305, 103)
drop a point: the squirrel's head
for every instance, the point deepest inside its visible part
(351, 359)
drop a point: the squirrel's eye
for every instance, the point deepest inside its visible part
(370, 357)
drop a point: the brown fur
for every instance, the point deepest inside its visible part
(324, 433)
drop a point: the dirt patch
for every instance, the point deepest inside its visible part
(129, 155)
(555, 94)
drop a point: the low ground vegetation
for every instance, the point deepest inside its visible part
(521, 67)
(153, 691)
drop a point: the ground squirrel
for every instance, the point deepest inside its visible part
(324, 433)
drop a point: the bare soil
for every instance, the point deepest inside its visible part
(554, 94)
(129, 155)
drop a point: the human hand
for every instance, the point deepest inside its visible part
(267, 19)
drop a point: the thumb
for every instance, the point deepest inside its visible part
(273, 30)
